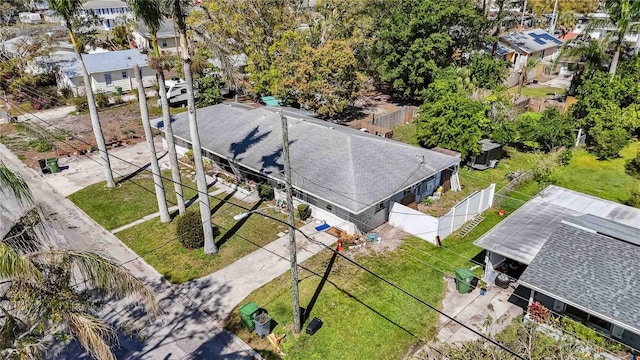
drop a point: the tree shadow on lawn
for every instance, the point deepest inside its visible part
(231, 232)
(325, 278)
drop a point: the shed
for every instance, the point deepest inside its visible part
(489, 156)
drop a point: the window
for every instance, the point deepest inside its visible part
(164, 43)
(107, 79)
(329, 207)
(124, 74)
(599, 322)
(379, 207)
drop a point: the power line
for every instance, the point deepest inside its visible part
(504, 290)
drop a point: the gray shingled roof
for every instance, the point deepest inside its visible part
(165, 30)
(114, 60)
(522, 234)
(590, 271)
(344, 166)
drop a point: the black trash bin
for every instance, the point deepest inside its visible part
(314, 326)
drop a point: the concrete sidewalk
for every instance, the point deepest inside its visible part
(220, 292)
(182, 331)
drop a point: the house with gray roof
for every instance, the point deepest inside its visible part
(578, 255)
(350, 178)
(533, 43)
(168, 40)
(107, 70)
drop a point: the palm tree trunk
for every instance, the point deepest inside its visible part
(95, 123)
(203, 193)
(155, 168)
(166, 120)
(614, 62)
(171, 145)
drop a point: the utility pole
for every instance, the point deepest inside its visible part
(552, 26)
(524, 11)
(292, 226)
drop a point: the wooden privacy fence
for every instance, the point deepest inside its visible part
(429, 227)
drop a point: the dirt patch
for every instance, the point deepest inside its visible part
(70, 135)
(389, 239)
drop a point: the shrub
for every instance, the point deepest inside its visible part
(634, 199)
(118, 100)
(189, 230)
(565, 156)
(81, 104)
(102, 100)
(632, 167)
(66, 92)
(188, 156)
(304, 211)
(40, 145)
(266, 192)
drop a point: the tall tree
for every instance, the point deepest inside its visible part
(625, 14)
(419, 36)
(541, 7)
(49, 291)
(71, 13)
(179, 9)
(450, 119)
(148, 11)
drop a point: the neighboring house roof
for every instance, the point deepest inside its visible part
(106, 61)
(114, 60)
(501, 49)
(103, 4)
(521, 235)
(166, 29)
(590, 270)
(531, 41)
(346, 167)
(488, 145)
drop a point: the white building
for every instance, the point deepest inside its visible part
(107, 10)
(107, 71)
(168, 40)
(29, 18)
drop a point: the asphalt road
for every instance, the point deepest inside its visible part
(182, 331)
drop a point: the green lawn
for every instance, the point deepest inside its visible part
(406, 133)
(128, 202)
(473, 180)
(601, 178)
(156, 242)
(538, 92)
(363, 317)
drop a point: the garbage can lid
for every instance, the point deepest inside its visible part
(463, 273)
(249, 308)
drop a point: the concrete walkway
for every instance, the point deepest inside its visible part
(219, 293)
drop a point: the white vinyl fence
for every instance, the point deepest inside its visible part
(428, 227)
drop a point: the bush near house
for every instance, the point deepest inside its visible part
(81, 104)
(304, 211)
(189, 230)
(266, 192)
(102, 100)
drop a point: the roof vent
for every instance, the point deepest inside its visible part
(331, 127)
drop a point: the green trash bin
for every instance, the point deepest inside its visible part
(247, 313)
(52, 164)
(464, 277)
(118, 91)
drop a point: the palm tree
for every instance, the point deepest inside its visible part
(50, 291)
(150, 13)
(70, 11)
(625, 15)
(178, 9)
(591, 53)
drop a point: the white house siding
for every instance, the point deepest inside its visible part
(170, 47)
(117, 80)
